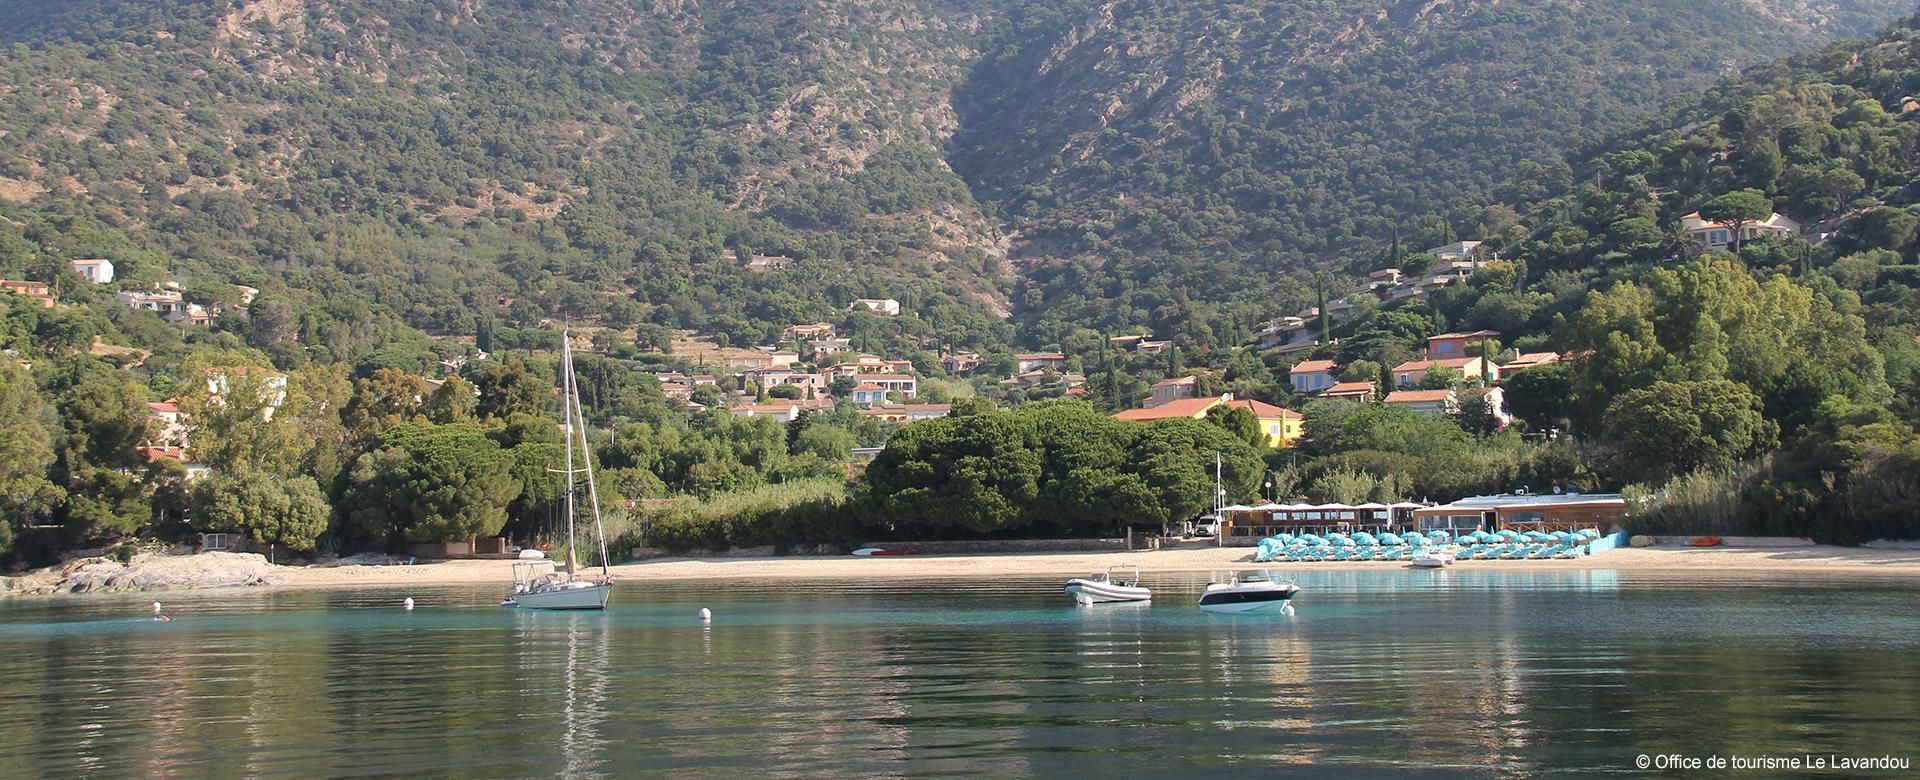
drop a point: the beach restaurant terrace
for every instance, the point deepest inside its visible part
(1259, 522)
(1557, 512)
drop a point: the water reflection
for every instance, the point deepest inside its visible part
(1461, 672)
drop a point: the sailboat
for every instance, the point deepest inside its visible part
(539, 584)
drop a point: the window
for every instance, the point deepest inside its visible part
(215, 541)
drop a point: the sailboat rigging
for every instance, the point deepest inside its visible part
(536, 585)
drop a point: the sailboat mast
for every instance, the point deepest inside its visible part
(593, 493)
(566, 418)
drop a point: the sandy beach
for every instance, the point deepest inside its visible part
(1669, 561)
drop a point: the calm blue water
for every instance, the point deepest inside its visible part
(1464, 673)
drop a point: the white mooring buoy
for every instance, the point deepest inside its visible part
(706, 615)
(407, 603)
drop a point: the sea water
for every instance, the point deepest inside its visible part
(1467, 673)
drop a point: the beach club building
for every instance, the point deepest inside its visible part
(1526, 512)
(1248, 524)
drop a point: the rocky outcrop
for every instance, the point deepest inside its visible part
(149, 571)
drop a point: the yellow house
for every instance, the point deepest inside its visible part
(1283, 427)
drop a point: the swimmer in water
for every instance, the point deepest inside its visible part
(159, 617)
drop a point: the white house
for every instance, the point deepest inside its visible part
(96, 271)
(869, 394)
(1458, 250)
(905, 385)
(885, 307)
(1036, 361)
(1719, 235)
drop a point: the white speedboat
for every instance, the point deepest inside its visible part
(1116, 584)
(1248, 592)
(540, 584)
(1434, 558)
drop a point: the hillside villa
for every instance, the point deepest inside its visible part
(905, 385)
(1409, 374)
(1457, 251)
(885, 307)
(1424, 401)
(1357, 392)
(1527, 360)
(169, 425)
(961, 364)
(157, 453)
(907, 412)
(818, 330)
(763, 358)
(1169, 390)
(1036, 361)
(1447, 346)
(1310, 375)
(1283, 427)
(169, 304)
(1431, 402)
(96, 271)
(38, 291)
(1718, 236)
(768, 262)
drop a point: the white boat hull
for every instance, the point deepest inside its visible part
(588, 597)
(1432, 561)
(1247, 597)
(1090, 592)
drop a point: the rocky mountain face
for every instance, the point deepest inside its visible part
(1076, 163)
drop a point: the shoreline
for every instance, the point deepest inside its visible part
(208, 571)
(1695, 562)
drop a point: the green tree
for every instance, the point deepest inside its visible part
(1240, 422)
(453, 401)
(388, 398)
(508, 388)
(426, 483)
(26, 454)
(289, 512)
(1673, 428)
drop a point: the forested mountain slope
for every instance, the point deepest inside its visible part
(586, 160)
(1213, 147)
(428, 164)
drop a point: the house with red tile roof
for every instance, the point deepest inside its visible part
(1408, 375)
(1448, 346)
(1283, 427)
(1357, 392)
(1310, 375)
(1425, 401)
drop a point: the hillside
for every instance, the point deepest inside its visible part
(618, 162)
(597, 161)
